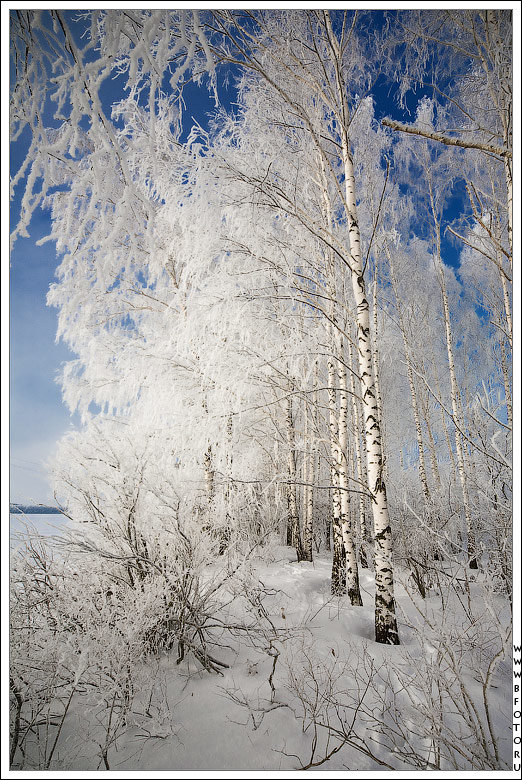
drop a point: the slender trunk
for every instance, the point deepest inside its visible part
(292, 478)
(358, 464)
(507, 384)
(308, 491)
(315, 471)
(225, 533)
(339, 556)
(209, 474)
(411, 382)
(433, 452)
(352, 574)
(509, 188)
(328, 534)
(455, 396)
(375, 357)
(418, 428)
(288, 520)
(339, 583)
(207, 465)
(444, 426)
(385, 619)
(461, 465)
(507, 308)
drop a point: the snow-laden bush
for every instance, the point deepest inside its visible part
(68, 645)
(86, 624)
(79, 639)
(142, 568)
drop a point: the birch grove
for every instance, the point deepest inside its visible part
(291, 318)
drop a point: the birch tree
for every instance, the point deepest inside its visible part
(330, 86)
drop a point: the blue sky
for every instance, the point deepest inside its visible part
(37, 416)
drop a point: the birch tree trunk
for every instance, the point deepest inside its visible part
(455, 395)
(411, 382)
(358, 464)
(308, 490)
(225, 533)
(292, 487)
(207, 465)
(375, 357)
(339, 556)
(444, 424)
(385, 619)
(343, 581)
(352, 574)
(431, 443)
(509, 188)
(507, 385)
(209, 475)
(507, 308)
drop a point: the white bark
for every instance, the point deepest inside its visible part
(447, 140)
(418, 427)
(339, 557)
(411, 382)
(507, 308)
(352, 575)
(509, 187)
(344, 546)
(454, 392)
(444, 424)
(385, 620)
(292, 480)
(432, 449)
(308, 490)
(209, 474)
(358, 462)
(507, 385)
(375, 353)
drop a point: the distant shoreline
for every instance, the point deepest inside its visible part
(22, 509)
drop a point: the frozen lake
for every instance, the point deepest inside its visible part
(47, 525)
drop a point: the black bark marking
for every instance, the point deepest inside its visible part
(381, 536)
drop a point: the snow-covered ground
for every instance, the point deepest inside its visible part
(325, 668)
